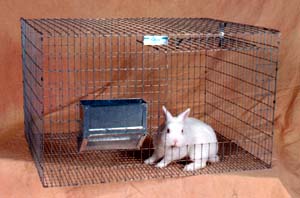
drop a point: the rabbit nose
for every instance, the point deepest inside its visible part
(175, 142)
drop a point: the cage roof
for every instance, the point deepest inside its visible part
(142, 26)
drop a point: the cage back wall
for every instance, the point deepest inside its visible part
(225, 72)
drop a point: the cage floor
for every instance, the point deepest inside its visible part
(64, 166)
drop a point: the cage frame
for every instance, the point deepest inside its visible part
(71, 30)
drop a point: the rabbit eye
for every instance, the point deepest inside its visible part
(181, 130)
(168, 130)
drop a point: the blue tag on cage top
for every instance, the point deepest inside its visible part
(156, 40)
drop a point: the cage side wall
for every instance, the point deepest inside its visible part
(32, 63)
(242, 109)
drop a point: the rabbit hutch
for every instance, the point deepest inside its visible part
(94, 91)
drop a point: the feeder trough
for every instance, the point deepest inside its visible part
(112, 124)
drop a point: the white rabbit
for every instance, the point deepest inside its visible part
(183, 136)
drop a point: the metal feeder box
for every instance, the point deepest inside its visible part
(112, 124)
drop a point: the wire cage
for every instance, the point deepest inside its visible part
(224, 71)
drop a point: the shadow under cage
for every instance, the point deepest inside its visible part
(225, 72)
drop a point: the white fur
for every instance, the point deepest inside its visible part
(198, 142)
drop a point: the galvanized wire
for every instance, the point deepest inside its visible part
(225, 72)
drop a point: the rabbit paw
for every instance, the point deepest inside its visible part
(194, 166)
(150, 160)
(161, 164)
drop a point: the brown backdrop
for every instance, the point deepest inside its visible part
(19, 178)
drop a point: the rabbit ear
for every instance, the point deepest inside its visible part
(184, 115)
(167, 113)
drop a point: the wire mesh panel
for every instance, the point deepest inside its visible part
(225, 72)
